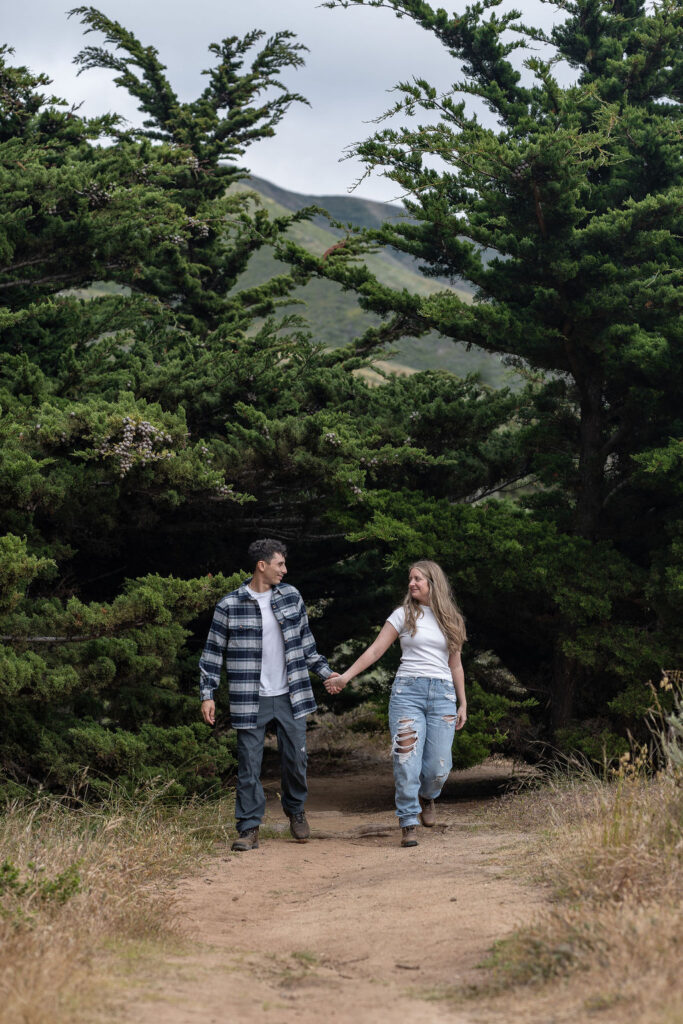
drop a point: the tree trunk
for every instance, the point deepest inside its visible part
(591, 461)
(563, 687)
(567, 673)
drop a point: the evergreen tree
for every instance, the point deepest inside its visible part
(101, 464)
(565, 214)
(155, 417)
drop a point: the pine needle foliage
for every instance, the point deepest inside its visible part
(104, 457)
(563, 209)
(156, 416)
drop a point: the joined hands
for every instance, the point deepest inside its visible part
(335, 683)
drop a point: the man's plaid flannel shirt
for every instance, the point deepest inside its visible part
(236, 634)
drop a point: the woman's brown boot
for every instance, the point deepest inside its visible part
(409, 835)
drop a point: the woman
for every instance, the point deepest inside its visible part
(428, 700)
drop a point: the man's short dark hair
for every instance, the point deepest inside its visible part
(266, 550)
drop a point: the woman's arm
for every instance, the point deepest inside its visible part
(370, 655)
(458, 674)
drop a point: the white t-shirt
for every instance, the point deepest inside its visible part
(426, 653)
(273, 665)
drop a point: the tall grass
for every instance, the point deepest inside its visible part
(611, 851)
(75, 880)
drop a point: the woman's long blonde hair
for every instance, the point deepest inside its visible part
(442, 603)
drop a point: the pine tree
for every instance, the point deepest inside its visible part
(101, 462)
(155, 416)
(565, 214)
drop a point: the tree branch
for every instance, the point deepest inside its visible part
(488, 491)
(38, 280)
(611, 442)
(74, 275)
(66, 639)
(24, 263)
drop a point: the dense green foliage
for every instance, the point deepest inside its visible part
(154, 424)
(101, 466)
(565, 215)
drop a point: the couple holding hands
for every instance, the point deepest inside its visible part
(261, 632)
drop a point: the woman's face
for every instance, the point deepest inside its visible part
(418, 585)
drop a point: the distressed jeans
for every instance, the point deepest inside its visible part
(422, 714)
(250, 801)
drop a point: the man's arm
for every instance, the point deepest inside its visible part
(315, 662)
(211, 662)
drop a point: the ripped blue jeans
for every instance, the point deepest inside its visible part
(422, 714)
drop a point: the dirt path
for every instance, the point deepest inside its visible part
(345, 927)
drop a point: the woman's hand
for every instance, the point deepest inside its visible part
(462, 716)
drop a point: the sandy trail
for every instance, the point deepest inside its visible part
(344, 928)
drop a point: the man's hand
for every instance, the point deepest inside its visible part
(209, 711)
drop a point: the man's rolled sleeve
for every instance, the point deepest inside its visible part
(211, 661)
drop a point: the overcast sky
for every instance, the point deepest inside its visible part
(355, 57)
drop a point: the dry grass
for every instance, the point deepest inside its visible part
(611, 850)
(354, 737)
(83, 887)
(76, 881)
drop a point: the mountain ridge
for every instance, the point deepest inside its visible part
(334, 316)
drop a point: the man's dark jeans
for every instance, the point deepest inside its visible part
(250, 803)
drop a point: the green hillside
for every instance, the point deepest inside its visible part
(334, 315)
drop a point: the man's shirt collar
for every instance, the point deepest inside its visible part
(244, 595)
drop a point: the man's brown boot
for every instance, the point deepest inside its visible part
(247, 840)
(428, 815)
(299, 827)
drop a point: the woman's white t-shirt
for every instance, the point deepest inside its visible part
(426, 653)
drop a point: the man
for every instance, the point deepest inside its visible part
(262, 631)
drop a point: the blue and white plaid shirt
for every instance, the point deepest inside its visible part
(236, 634)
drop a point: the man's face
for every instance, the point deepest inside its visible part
(273, 571)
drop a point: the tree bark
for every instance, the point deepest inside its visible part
(563, 686)
(566, 673)
(591, 462)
